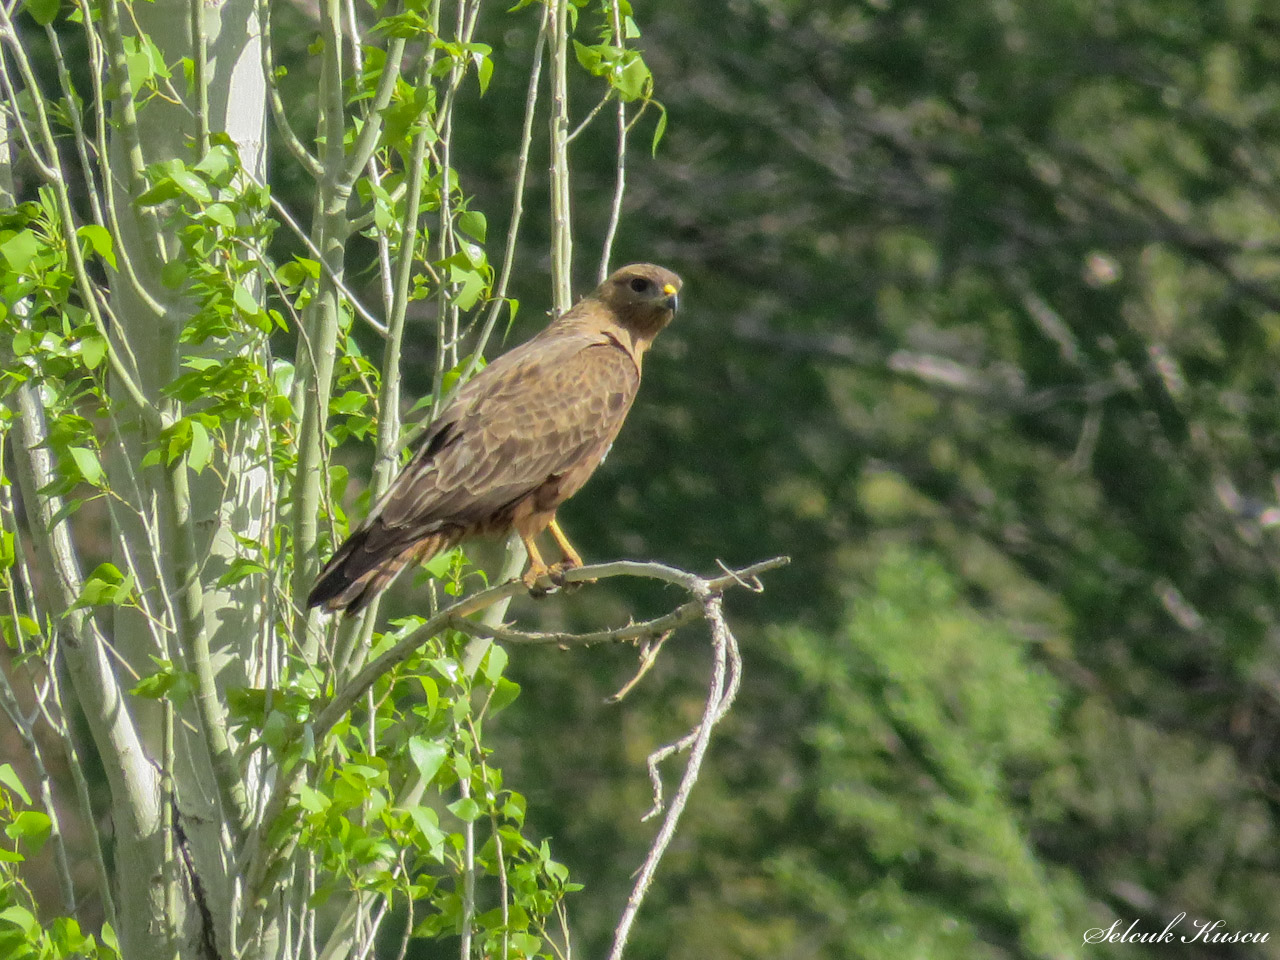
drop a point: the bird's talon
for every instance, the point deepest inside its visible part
(557, 572)
(535, 580)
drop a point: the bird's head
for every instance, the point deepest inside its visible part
(643, 296)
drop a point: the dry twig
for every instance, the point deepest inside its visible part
(706, 604)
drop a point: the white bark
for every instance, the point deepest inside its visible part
(232, 617)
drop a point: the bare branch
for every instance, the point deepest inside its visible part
(361, 310)
(561, 219)
(724, 686)
(134, 783)
(517, 200)
(278, 112)
(649, 651)
(620, 170)
(258, 856)
(200, 74)
(646, 630)
(27, 735)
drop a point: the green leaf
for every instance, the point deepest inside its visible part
(431, 691)
(515, 807)
(352, 401)
(505, 693)
(10, 779)
(465, 809)
(441, 564)
(245, 301)
(428, 824)
(473, 223)
(660, 128)
(192, 185)
(633, 80)
(525, 944)
(312, 800)
(68, 940)
(92, 349)
(166, 682)
(87, 463)
(99, 239)
(68, 509)
(240, 569)
(176, 440)
(403, 26)
(221, 214)
(106, 586)
(218, 163)
(20, 250)
(31, 826)
(472, 285)
(43, 12)
(14, 629)
(141, 60)
(591, 58)
(21, 918)
(428, 756)
(201, 447)
(495, 662)
(275, 732)
(162, 191)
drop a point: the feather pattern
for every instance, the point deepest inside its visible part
(514, 443)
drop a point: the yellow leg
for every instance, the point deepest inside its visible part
(536, 569)
(570, 555)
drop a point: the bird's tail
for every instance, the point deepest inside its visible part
(354, 576)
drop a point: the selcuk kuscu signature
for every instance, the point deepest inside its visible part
(1204, 931)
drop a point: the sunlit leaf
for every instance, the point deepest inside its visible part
(20, 249)
(201, 447)
(428, 756)
(30, 826)
(465, 809)
(92, 350)
(99, 240)
(10, 779)
(43, 12)
(87, 463)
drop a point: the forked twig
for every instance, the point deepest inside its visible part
(649, 650)
(725, 673)
(259, 853)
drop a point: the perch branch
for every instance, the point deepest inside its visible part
(725, 670)
(258, 856)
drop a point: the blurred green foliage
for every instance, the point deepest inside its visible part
(936, 734)
(980, 326)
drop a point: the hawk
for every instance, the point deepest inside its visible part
(515, 442)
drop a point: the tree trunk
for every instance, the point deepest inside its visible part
(189, 869)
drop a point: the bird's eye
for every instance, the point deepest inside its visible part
(639, 284)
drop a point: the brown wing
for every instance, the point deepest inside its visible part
(547, 408)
